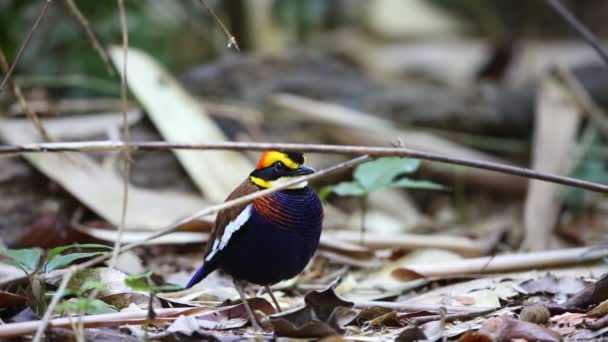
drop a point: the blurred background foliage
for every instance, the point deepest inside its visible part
(181, 33)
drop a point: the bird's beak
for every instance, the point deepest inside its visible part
(303, 170)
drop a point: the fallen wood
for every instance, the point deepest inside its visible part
(107, 320)
(511, 262)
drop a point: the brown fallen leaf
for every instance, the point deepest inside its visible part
(591, 295)
(599, 324)
(234, 316)
(405, 274)
(599, 311)
(389, 319)
(411, 333)
(371, 313)
(505, 328)
(569, 319)
(323, 314)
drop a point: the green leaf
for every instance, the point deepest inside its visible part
(169, 288)
(26, 259)
(85, 305)
(416, 184)
(92, 285)
(381, 172)
(64, 260)
(57, 250)
(141, 282)
(347, 189)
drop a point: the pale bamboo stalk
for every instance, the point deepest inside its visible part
(512, 262)
(114, 319)
(460, 245)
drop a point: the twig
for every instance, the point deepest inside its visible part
(25, 107)
(461, 316)
(405, 306)
(229, 204)
(24, 44)
(91, 146)
(126, 138)
(101, 320)
(579, 27)
(231, 40)
(86, 26)
(49, 310)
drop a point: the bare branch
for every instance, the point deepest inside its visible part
(231, 40)
(310, 148)
(579, 27)
(86, 26)
(126, 137)
(24, 44)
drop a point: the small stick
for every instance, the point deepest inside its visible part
(24, 44)
(231, 40)
(88, 30)
(126, 137)
(461, 316)
(579, 27)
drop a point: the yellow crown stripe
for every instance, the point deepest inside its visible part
(275, 156)
(261, 182)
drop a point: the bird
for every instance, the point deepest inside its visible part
(271, 238)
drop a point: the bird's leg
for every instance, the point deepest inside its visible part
(274, 299)
(239, 289)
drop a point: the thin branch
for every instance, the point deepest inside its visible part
(229, 204)
(25, 107)
(86, 26)
(579, 27)
(126, 137)
(49, 310)
(310, 148)
(11, 330)
(24, 44)
(461, 316)
(231, 40)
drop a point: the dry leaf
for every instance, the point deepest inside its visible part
(505, 328)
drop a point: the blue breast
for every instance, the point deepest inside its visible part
(275, 244)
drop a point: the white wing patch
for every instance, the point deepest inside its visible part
(232, 227)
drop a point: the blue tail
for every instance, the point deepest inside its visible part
(200, 274)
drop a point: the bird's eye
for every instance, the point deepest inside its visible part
(279, 166)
